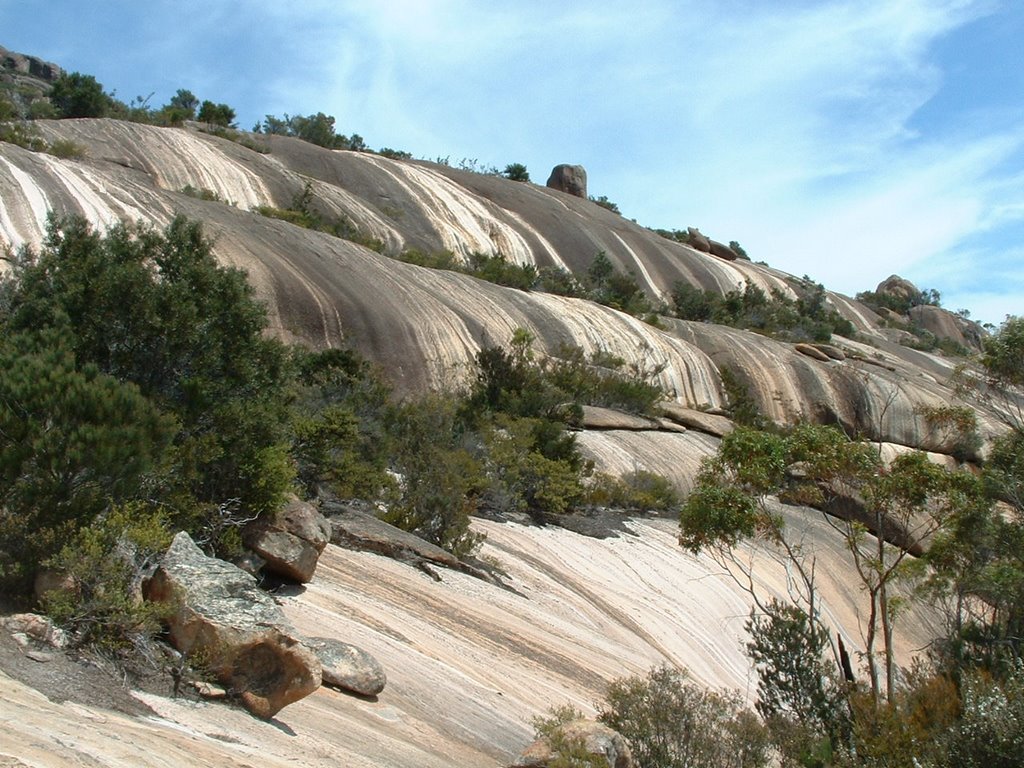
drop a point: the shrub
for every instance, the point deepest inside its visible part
(71, 439)
(220, 115)
(990, 733)
(78, 95)
(66, 149)
(441, 479)
(638, 492)
(25, 135)
(106, 562)
(569, 753)
(673, 723)
(531, 468)
(806, 318)
(154, 309)
(302, 213)
(798, 696)
(605, 203)
(516, 172)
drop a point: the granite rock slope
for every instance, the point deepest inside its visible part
(424, 326)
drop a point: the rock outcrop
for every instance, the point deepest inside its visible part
(291, 542)
(28, 65)
(220, 618)
(571, 179)
(899, 288)
(722, 251)
(698, 241)
(598, 740)
(944, 324)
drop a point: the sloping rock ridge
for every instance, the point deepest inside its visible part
(425, 326)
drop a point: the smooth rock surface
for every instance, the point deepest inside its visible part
(468, 663)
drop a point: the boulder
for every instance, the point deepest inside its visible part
(595, 417)
(812, 352)
(697, 241)
(832, 351)
(36, 627)
(709, 423)
(290, 543)
(599, 740)
(722, 251)
(348, 667)
(571, 179)
(29, 65)
(899, 288)
(220, 616)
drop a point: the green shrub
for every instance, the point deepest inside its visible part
(671, 722)
(23, 134)
(78, 95)
(71, 439)
(990, 733)
(155, 310)
(806, 318)
(302, 213)
(66, 149)
(798, 696)
(605, 203)
(106, 562)
(569, 753)
(529, 469)
(516, 172)
(201, 193)
(638, 492)
(441, 478)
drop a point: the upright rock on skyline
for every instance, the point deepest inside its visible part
(571, 179)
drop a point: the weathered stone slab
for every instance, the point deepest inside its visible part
(595, 417)
(291, 543)
(709, 423)
(812, 352)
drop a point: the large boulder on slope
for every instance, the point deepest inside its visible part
(709, 423)
(697, 241)
(899, 288)
(347, 667)
(219, 615)
(291, 542)
(571, 179)
(595, 417)
(722, 251)
(599, 740)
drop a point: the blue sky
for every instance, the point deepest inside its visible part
(847, 140)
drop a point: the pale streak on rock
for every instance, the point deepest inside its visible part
(676, 456)
(641, 268)
(464, 221)
(20, 226)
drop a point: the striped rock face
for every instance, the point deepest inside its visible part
(468, 663)
(425, 326)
